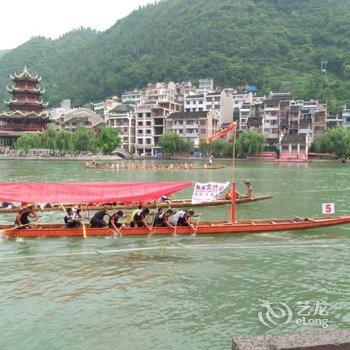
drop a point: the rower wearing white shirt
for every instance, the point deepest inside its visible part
(181, 218)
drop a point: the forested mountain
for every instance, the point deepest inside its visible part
(275, 44)
(2, 52)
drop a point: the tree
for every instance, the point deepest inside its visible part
(28, 141)
(48, 138)
(221, 148)
(171, 142)
(188, 146)
(84, 139)
(335, 140)
(64, 141)
(108, 139)
(250, 143)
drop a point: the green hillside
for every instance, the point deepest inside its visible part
(275, 44)
(2, 52)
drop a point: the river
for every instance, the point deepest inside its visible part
(179, 292)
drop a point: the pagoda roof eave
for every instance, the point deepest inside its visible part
(26, 102)
(23, 115)
(25, 75)
(33, 91)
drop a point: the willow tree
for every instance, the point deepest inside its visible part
(250, 143)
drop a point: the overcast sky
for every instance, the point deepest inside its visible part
(22, 19)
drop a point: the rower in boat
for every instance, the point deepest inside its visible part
(161, 218)
(181, 218)
(98, 219)
(73, 218)
(22, 217)
(113, 221)
(139, 219)
(249, 193)
(229, 195)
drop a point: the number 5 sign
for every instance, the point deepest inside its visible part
(328, 208)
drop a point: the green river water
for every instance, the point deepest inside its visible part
(179, 292)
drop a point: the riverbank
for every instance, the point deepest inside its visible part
(112, 158)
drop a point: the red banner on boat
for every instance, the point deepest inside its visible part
(87, 192)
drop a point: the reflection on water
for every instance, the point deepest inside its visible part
(174, 292)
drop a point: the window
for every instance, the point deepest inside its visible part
(200, 109)
(148, 141)
(148, 123)
(202, 122)
(285, 147)
(139, 123)
(148, 131)
(140, 132)
(200, 102)
(181, 131)
(302, 147)
(216, 98)
(139, 115)
(203, 131)
(139, 141)
(148, 115)
(125, 129)
(294, 147)
(188, 102)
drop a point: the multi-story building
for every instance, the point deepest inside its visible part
(270, 120)
(346, 116)
(76, 116)
(240, 98)
(162, 92)
(122, 118)
(218, 100)
(104, 106)
(135, 97)
(27, 110)
(194, 103)
(194, 126)
(205, 85)
(244, 115)
(333, 121)
(150, 125)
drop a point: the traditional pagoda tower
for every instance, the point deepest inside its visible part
(27, 109)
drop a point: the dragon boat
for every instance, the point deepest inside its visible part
(171, 203)
(137, 192)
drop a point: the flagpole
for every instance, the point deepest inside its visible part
(233, 199)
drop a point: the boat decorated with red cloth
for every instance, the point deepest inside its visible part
(100, 192)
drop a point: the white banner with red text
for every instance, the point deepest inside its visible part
(207, 192)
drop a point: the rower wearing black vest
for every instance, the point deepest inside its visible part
(161, 218)
(114, 218)
(22, 217)
(98, 219)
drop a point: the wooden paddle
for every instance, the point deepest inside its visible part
(196, 228)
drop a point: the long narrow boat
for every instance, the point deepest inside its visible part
(155, 168)
(204, 228)
(136, 192)
(173, 203)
